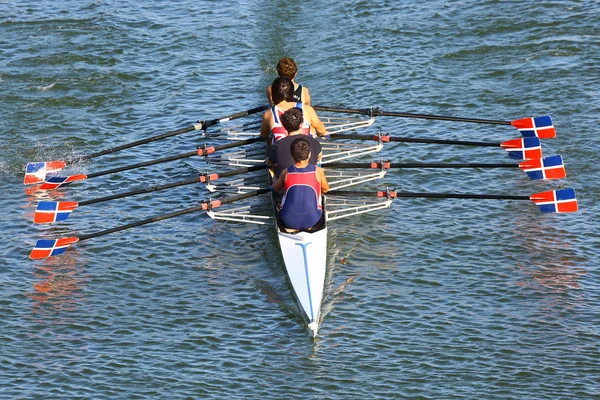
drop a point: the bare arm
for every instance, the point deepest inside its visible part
(269, 95)
(322, 180)
(265, 128)
(305, 95)
(280, 184)
(315, 122)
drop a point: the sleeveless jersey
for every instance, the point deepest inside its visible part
(278, 131)
(301, 206)
(298, 94)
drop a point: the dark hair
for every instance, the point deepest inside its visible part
(287, 67)
(292, 119)
(300, 149)
(282, 89)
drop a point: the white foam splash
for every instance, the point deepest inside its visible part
(46, 88)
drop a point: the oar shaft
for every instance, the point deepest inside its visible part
(237, 143)
(420, 165)
(240, 171)
(138, 143)
(175, 157)
(139, 191)
(427, 195)
(201, 125)
(460, 196)
(376, 112)
(415, 140)
(143, 164)
(200, 207)
(170, 185)
(207, 124)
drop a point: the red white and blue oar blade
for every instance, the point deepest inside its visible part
(540, 127)
(556, 201)
(45, 248)
(48, 212)
(36, 172)
(544, 168)
(523, 148)
(58, 181)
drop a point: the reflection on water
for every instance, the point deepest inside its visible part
(550, 261)
(58, 284)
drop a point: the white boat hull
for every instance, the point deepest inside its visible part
(305, 258)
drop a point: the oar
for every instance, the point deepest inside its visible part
(518, 149)
(542, 168)
(48, 212)
(36, 172)
(58, 181)
(541, 127)
(552, 201)
(52, 247)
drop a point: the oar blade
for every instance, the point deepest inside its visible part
(45, 248)
(544, 168)
(556, 201)
(36, 172)
(48, 212)
(523, 148)
(58, 181)
(540, 127)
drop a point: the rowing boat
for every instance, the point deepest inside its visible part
(305, 259)
(304, 253)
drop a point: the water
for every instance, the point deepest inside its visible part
(429, 299)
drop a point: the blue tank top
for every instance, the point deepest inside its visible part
(301, 206)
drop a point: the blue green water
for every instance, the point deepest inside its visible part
(431, 299)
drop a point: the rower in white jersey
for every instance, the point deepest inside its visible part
(272, 128)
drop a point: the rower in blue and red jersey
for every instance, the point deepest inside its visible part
(283, 91)
(302, 185)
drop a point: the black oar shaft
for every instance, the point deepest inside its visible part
(242, 170)
(460, 196)
(376, 112)
(421, 165)
(173, 158)
(428, 195)
(138, 143)
(202, 125)
(143, 164)
(170, 185)
(237, 143)
(139, 191)
(207, 124)
(201, 207)
(415, 140)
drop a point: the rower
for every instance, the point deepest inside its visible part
(302, 185)
(283, 90)
(280, 156)
(288, 68)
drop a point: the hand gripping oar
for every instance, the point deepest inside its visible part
(518, 149)
(52, 247)
(552, 201)
(541, 127)
(542, 168)
(36, 172)
(48, 212)
(58, 181)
